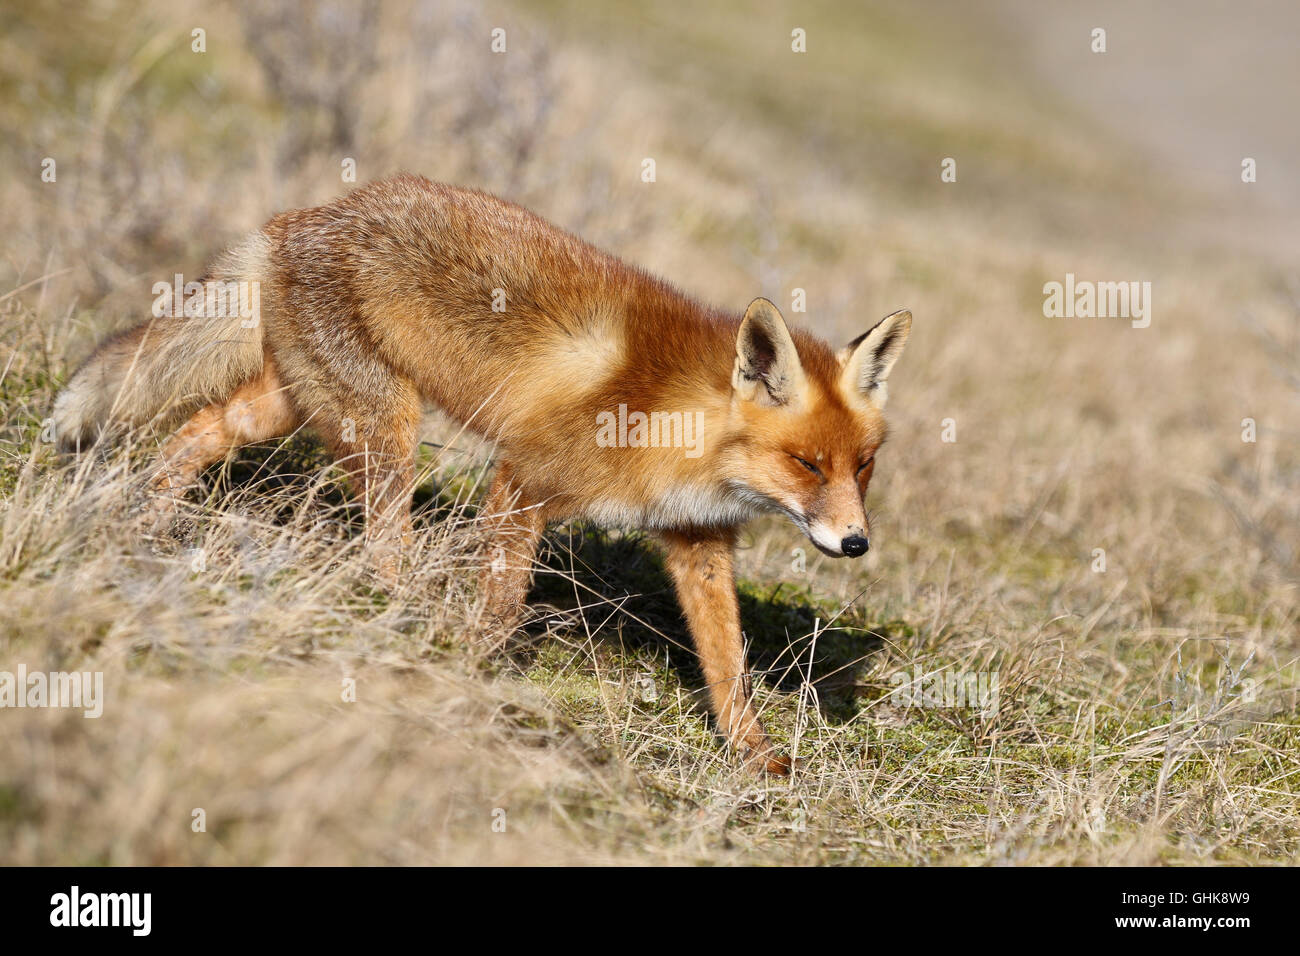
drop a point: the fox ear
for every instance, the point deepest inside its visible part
(868, 358)
(767, 369)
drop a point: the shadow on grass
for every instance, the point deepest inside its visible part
(620, 585)
(288, 469)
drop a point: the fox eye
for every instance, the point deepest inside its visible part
(862, 467)
(809, 465)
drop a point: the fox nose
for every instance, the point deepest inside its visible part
(855, 545)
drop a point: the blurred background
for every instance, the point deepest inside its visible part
(775, 170)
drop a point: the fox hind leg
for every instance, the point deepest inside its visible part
(259, 410)
(374, 442)
(519, 521)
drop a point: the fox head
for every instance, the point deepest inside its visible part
(807, 423)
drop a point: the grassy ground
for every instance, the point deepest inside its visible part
(1146, 713)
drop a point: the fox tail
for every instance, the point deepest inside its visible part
(166, 368)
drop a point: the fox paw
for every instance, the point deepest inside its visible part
(770, 763)
(158, 516)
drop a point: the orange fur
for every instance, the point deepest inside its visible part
(383, 300)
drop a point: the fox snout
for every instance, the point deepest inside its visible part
(851, 541)
(855, 545)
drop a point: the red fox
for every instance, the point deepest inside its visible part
(610, 395)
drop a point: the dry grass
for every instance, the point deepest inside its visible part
(1146, 714)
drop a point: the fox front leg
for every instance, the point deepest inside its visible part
(702, 568)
